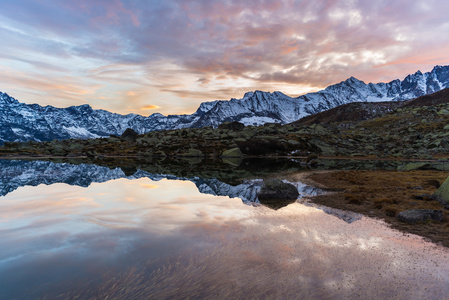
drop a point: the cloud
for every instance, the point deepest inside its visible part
(160, 48)
(151, 106)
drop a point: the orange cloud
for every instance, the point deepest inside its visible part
(151, 106)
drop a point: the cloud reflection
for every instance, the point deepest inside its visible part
(204, 245)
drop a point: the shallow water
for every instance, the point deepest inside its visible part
(91, 231)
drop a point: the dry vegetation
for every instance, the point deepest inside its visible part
(383, 194)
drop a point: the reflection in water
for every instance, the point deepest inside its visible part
(162, 239)
(15, 174)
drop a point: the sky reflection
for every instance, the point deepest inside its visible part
(62, 239)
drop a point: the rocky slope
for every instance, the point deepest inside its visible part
(407, 131)
(23, 122)
(351, 112)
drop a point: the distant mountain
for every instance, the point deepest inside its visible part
(22, 122)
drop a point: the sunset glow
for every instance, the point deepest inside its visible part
(169, 56)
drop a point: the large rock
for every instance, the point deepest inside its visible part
(413, 216)
(129, 135)
(275, 193)
(442, 194)
(277, 189)
(234, 126)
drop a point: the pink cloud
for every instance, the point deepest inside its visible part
(202, 46)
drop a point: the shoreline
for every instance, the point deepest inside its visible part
(381, 195)
(358, 158)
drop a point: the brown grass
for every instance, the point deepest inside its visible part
(383, 194)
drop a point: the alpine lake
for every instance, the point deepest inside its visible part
(192, 229)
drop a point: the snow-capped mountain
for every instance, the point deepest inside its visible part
(22, 122)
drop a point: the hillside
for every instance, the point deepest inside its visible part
(351, 112)
(408, 131)
(25, 122)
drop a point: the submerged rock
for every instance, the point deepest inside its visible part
(413, 216)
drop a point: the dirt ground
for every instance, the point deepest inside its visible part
(383, 194)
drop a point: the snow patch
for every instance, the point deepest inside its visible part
(257, 121)
(80, 132)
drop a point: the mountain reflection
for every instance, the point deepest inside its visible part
(20, 173)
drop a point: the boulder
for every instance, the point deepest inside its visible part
(277, 189)
(413, 216)
(234, 126)
(234, 152)
(276, 193)
(129, 135)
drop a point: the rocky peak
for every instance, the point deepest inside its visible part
(21, 122)
(6, 99)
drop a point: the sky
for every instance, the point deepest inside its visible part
(136, 56)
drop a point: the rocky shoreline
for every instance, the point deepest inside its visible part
(410, 131)
(384, 195)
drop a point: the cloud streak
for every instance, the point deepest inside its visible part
(168, 51)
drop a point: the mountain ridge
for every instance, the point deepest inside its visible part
(23, 122)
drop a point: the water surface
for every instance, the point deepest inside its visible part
(91, 231)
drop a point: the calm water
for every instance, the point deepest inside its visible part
(90, 231)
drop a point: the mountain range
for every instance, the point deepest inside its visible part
(24, 122)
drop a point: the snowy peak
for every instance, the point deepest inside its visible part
(22, 122)
(6, 99)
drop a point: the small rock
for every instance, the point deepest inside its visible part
(413, 216)
(422, 197)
